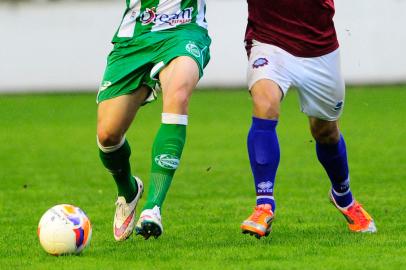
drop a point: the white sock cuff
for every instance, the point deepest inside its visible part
(109, 149)
(265, 197)
(346, 182)
(172, 118)
(341, 194)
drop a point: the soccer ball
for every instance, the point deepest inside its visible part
(64, 229)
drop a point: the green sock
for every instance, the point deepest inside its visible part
(166, 153)
(118, 163)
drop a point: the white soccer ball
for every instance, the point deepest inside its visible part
(64, 229)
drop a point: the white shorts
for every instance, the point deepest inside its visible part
(318, 79)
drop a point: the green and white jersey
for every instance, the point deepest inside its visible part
(144, 16)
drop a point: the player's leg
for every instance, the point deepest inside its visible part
(262, 141)
(178, 80)
(114, 117)
(268, 81)
(322, 99)
(264, 155)
(332, 154)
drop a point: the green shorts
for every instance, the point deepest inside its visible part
(138, 62)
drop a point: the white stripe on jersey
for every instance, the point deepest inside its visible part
(133, 3)
(128, 24)
(201, 4)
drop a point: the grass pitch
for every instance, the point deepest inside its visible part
(48, 156)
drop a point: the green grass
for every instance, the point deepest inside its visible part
(48, 156)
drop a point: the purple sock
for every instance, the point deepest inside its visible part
(333, 157)
(264, 155)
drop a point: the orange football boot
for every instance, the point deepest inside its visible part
(259, 223)
(358, 219)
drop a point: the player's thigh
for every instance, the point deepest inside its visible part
(179, 67)
(178, 80)
(268, 78)
(322, 89)
(268, 62)
(115, 115)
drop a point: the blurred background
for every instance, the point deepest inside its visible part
(61, 45)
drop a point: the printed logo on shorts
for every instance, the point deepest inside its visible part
(181, 17)
(265, 187)
(167, 161)
(193, 49)
(260, 62)
(338, 106)
(105, 85)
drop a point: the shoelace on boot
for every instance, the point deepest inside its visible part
(258, 213)
(356, 213)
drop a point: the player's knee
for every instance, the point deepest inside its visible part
(266, 109)
(266, 103)
(326, 134)
(179, 98)
(108, 138)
